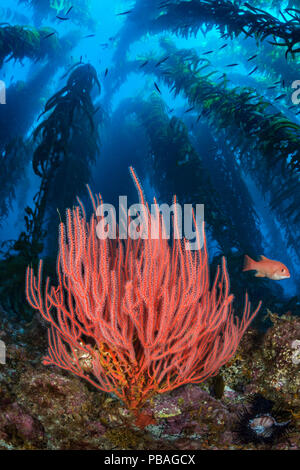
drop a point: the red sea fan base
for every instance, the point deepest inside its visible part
(135, 317)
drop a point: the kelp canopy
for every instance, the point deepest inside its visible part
(68, 143)
(196, 94)
(231, 20)
(18, 42)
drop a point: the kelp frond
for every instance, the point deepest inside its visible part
(18, 42)
(187, 17)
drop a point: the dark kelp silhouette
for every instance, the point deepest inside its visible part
(18, 42)
(71, 118)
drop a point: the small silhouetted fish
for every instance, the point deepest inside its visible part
(232, 65)
(251, 58)
(163, 4)
(171, 110)
(48, 35)
(190, 109)
(280, 97)
(106, 72)
(223, 35)
(283, 83)
(145, 63)
(89, 36)
(124, 13)
(156, 86)
(162, 61)
(252, 71)
(271, 87)
(208, 52)
(62, 19)
(104, 45)
(224, 45)
(277, 83)
(198, 118)
(80, 58)
(69, 11)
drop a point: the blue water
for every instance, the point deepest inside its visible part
(110, 175)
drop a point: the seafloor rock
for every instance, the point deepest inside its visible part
(64, 406)
(280, 352)
(47, 408)
(190, 412)
(19, 427)
(269, 363)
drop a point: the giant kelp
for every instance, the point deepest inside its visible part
(58, 128)
(265, 141)
(268, 144)
(13, 161)
(200, 167)
(81, 10)
(250, 131)
(276, 136)
(234, 196)
(16, 254)
(176, 167)
(225, 171)
(18, 42)
(186, 18)
(213, 125)
(135, 26)
(272, 64)
(68, 138)
(24, 98)
(271, 4)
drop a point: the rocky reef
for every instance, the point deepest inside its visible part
(254, 402)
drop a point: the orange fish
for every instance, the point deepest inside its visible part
(266, 268)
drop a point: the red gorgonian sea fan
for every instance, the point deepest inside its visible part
(135, 317)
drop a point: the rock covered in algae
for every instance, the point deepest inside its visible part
(269, 363)
(47, 408)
